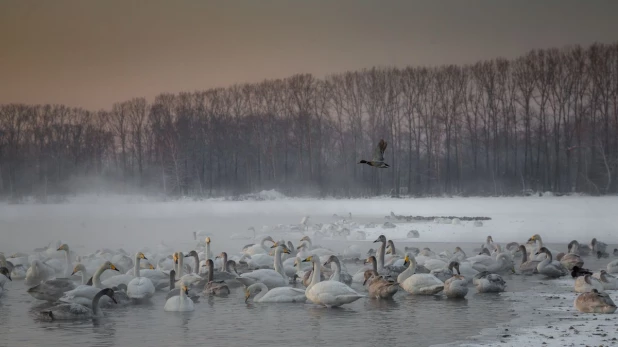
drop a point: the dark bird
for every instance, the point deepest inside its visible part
(378, 157)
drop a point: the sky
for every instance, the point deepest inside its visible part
(93, 53)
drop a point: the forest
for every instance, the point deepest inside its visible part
(545, 121)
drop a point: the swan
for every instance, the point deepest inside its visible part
(280, 294)
(67, 271)
(587, 283)
(594, 302)
(572, 258)
(84, 294)
(76, 311)
(338, 275)
(315, 249)
(37, 273)
(608, 281)
(385, 270)
(139, 288)
(446, 273)
(190, 278)
(328, 293)
(486, 282)
(176, 291)
(378, 287)
(549, 269)
(180, 303)
(218, 288)
(582, 250)
(527, 266)
(612, 267)
(502, 264)
(271, 278)
(456, 287)
(5, 275)
(598, 246)
(260, 248)
(420, 284)
(536, 238)
(51, 290)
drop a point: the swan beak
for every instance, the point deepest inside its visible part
(114, 299)
(113, 267)
(326, 264)
(365, 281)
(365, 261)
(275, 245)
(286, 251)
(73, 273)
(185, 289)
(406, 259)
(307, 259)
(378, 240)
(152, 267)
(299, 247)
(247, 295)
(217, 257)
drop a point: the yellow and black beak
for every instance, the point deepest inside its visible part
(247, 295)
(307, 259)
(113, 267)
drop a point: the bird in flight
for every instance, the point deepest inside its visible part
(378, 157)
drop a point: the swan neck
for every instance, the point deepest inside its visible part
(196, 262)
(524, 256)
(315, 276)
(208, 254)
(95, 303)
(224, 263)
(381, 252)
(181, 265)
(278, 265)
(263, 291)
(211, 269)
(336, 266)
(69, 265)
(172, 280)
(85, 277)
(136, 266)
(96, 278)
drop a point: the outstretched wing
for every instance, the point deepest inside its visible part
(379, 154)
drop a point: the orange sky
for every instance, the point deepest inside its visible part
(94, 53)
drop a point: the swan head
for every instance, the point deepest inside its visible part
(308, 259)
(207, 239)
(151, 267)
(490, 239)
(175, 257)
(5, 271)
(543, 250)
(369, 274)
(108, 265)
(330, 259)
(305, 238)
(534, 238)
(302, 246)
(141, 256)
(247, 294)
(109, 292)
(381, 238)
(370, 260)
(78, 268)
(191, 254)
(63, 247)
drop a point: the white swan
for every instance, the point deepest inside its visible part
(280, 294)
(69, 267)
(612, 267)
(5, 275)
(37, 273)
(271, 278)
(139, 288)
(609, 282)
(420, 284)
(180, 303)
(549, 269)
(84, 294)
(328, 293)
(259, 248)
(76, 311)
(189, 278)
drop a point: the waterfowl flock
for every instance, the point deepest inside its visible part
(86, 286)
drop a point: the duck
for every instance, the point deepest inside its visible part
(418, 284)
(486, 282)
(587, 283)
(577, 271)
(218, 288)
(456, 287)
(180, 303)
(378, 157)
(75, 311)
(279, 294)
(328, 293)
(378, 287)
(594, 302)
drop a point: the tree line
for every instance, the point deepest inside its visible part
(546, 121)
